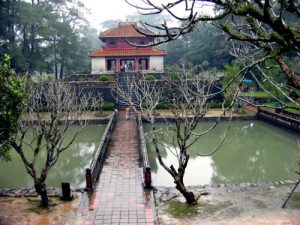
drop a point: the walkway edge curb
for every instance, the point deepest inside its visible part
(145, 162)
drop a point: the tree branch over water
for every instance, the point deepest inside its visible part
(187, 99)
(50, 111)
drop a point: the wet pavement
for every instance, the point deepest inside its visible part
(234, 204)
(119, 197)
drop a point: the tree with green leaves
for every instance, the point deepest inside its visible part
(229, 83)
(208, 47)
(11, 105)
(43, 36)
(261, 30)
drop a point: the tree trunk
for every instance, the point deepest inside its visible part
(61, 72)
(55, 59)
(41, 189)
(293, 78)
(189, 196)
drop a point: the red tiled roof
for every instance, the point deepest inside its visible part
(127, 52)
(124, 30)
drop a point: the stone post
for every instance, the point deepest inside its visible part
(66, 191)
(88, 179)
(148, 178)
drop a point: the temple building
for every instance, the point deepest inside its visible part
(117, 54)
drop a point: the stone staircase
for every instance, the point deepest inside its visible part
(124, 80)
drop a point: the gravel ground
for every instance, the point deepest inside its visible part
(233, 204)
(25, 211)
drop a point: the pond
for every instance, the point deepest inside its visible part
(69, 167)
(258, 153)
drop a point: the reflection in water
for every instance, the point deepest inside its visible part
(254, 151)
(69, 167)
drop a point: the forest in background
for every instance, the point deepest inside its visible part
(54, 37)
(50, 36)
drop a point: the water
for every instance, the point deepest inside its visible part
(69, 167)
(258, 153)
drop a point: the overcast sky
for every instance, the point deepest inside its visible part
(102, 10)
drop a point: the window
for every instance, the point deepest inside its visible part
(111, 64)
(143, 64)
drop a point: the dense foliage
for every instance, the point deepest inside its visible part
(11, 102)
(46, 36)
(206, 47)
(104, 78)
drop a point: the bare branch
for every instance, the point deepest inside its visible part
(51, 110)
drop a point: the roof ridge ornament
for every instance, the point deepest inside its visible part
(125, 30)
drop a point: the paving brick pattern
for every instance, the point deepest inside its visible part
(119, 197)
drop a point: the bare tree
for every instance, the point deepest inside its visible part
(50, 111)
(187, 99)
(271, 26)
(248, 54)
(262, 32)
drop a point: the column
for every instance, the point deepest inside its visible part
(136, 64)
(118, 64)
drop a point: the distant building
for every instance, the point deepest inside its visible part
(118, 54)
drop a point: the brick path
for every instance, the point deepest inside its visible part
(119, 197)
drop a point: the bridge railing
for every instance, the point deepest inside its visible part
(144, 159)
(142, 143)
(92, 173)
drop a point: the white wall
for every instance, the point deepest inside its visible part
(98, 64)
(157, 63)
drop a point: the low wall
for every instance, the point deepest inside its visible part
(28, 192)
(99, 156)
(287, 113)
(280, 119)
(96, 87)
(204, 119)
(144, 160)
(142, 143)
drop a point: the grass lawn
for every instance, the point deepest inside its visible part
(289, 104)
(256, 94)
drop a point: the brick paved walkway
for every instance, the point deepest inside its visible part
(119, 197)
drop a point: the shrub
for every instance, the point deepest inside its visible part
(174, 75)
(145, 105)
(164, 106)
(108, 106)
(214, 105)
(104, 78)
(150, 77)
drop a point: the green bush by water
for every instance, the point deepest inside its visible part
(108, 106)
(104, 78)
(150, 77)
(215, 105)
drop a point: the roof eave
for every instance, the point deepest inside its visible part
(97, 56)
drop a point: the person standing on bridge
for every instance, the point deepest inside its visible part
(127, 113)
(131, 111)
